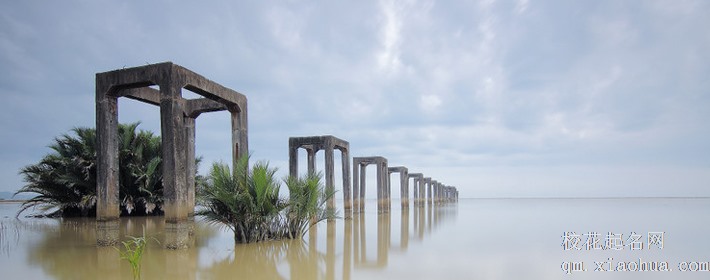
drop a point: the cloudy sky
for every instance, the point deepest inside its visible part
(500, 98)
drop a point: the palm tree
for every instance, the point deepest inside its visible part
(246, 202)
(306, 205)
(65, 179)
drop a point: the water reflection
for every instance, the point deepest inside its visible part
(66, 249)
(298, 259)
(72, 241)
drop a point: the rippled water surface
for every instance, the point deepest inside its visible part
(473, 239)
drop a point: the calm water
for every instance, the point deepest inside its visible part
(474, 239)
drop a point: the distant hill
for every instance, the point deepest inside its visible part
(8, 195)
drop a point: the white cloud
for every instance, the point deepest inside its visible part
(508, 86)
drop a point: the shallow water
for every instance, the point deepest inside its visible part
(473, 239)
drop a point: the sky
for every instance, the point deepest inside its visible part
(518, 98)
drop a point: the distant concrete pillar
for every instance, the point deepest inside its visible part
(345, 171)
(329, 175)
(430, 189)
(403, 183)
(327, 143)
(382, 176)
(363, 176)
(418, 177)
(426, 190)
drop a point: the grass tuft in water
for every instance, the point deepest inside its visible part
(133, 253)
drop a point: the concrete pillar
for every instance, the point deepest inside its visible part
(356, 188)
(430, 192)
(345, 167)
(363, 176)
(107, 199)
(190, 162)
(240, 145)
(403, 183)
(292, 161)
(381, 190)
(426, 195)
(329, 176)
(416, 191)
(174, 167)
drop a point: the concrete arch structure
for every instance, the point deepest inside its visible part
(359, 167)
(327, 143)
(416, 186)
(177, 122)
(403, 183)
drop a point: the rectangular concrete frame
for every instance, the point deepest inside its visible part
(403, 183)
(328, 143)
(177, 117)
(417, 185)
(359, 169)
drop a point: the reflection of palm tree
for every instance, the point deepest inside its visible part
(73, 241)
(248, 261)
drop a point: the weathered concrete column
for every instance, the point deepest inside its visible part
(426, 195)
(292, 160)
(172, 126)
(190, 162)
(107, 199)
(240, 144)
(435, 193)
(382, 191)
(430, 193)
(403, 183)
(345, 171)
(356, 188)
(329, 176)
(363, 176)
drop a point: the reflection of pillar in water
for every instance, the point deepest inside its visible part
(404, 229)
(330, 251)
(429, 211)
(177, 234)
(422, 223)
(363, 240)
(356, 236)
(107, 232)
(176, 264)
(415, 219)
(382, 239)
(108, 264)
(347, 247)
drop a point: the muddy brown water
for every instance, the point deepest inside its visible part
(474, 239)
